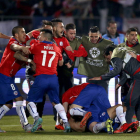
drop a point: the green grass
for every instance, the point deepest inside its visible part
(15, 132)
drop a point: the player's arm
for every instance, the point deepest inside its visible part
(81, 52)
(30, 34)
(117, 67)
(16, 47)
(4, 36)
(20, 56)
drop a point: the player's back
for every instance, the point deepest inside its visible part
(46, 56)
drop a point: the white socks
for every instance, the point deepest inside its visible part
(120, 114)
(21, 112)
(32, 109)
(61, 111)
(77, 111)
(98, 127)
(3, 111)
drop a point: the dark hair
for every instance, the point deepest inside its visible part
(111, 22)
(131, 30)
(16, 30)
(47, 33)
(46, 22)
(108, 49)
(55, 21)
(94, 29)
(77, 118)
(70, 26)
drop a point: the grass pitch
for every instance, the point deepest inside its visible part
(15, 132)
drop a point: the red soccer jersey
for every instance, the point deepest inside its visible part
(9, 65)
(61, 42)
(46, 56)
(71, 94)
(12, 41)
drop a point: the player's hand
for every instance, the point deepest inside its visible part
(69, 48)
(25, 50)
(33, 66)
(68, 65)
(133, 54)
(95, 78)
(117, 86)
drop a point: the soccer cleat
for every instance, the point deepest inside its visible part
(135, 127)
(59, 127)
(2, 131)
(40, 128)
(109, 127)
(67, 127)
(36, 124)
(126, 127)
(84, 120)
(28, 128)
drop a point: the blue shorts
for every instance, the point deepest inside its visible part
(8, 89)
(90, 94)
(44, 84)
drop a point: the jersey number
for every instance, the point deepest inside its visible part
(45, 55)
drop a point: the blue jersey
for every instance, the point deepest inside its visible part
(118, 40)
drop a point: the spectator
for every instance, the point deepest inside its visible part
(58, 8)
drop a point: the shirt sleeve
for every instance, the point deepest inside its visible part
(35, 34)
(123, 79)
(66, 96)
(117, 67)
(81, 52)
(32, 49)
(138, 58)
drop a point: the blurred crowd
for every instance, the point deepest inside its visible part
(79, 8)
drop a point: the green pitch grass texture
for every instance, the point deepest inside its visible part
(15, 132)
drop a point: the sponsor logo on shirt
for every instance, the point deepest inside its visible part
(61, 43)
(94, 52)
(98, 63)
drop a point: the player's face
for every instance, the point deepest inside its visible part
(70, 34)
(59, 29)
(112, 29)
(108, 57)
(94, 37)
(21, 35)
(132, 37)
(41, 37)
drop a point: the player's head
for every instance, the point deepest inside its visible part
(108, 52)
(112, 28)
(45, 35)
(58, 27)
(94, 34)
(70, 31)
(19, 33)
(47, 25)
(131, 35)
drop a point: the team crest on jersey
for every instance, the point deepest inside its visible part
(94, 52)
(15, 93)
(61, 43)
(31, 82)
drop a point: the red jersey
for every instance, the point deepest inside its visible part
(71, 94)
(9, 65)
(61, 42)
(46, 57)
(12, 41)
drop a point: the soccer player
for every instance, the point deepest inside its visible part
(29, 72)
(93, 98)
(94, 64)
(8, 68)
(112, 33)
(46, 56)
(122, 60)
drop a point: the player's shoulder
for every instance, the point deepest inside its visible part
(122, 45)
(107, 41)
(13, 40)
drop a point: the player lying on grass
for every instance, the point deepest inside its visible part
(93, 98)
(46, 57)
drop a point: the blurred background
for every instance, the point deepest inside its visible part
(84, 13)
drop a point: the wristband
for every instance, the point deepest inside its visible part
(29, 60)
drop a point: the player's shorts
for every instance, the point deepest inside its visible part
(44, 84)
(90, 94)
(8, 89)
